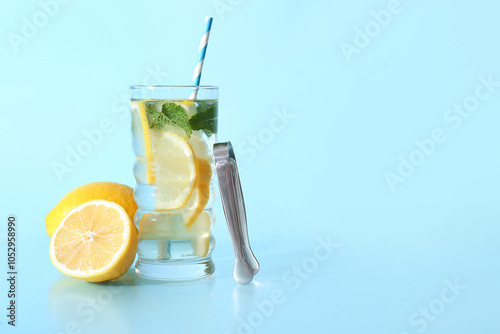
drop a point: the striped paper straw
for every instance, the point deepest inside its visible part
(201, 57)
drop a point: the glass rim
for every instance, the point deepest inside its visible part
(173, 86)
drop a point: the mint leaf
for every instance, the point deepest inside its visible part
(205, 118)
(177, 116)
(156, 119)
(160, 115)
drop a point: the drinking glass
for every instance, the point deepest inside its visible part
(173, 139)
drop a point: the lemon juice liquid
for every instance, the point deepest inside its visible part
(173, 142)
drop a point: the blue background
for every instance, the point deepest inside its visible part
(320, 175)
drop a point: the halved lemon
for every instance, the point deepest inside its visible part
(175, 170)
(114, 192)
(95, 242)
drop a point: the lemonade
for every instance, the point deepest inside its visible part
(172, 142)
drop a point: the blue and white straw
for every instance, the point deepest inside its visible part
(201, 57)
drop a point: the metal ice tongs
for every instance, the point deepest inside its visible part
(245, 263)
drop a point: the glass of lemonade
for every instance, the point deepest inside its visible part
(173, 139)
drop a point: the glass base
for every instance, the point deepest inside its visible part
(176, 271)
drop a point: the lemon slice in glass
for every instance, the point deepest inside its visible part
(201, 194)
(188, 106)
(174, 168)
